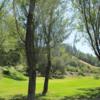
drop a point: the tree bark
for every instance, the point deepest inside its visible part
(32, 86)
(48, 68)
(47, 73)
(30, 51)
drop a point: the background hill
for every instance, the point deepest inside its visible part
(66, 61)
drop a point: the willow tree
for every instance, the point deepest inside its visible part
(90, 16)
(30, 50)
(53, 23)
(25, 11)
(3, 17)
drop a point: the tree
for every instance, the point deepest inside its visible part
(3, 12)
(90, 11)
(30, 50)
(32, 37)
(52, 25)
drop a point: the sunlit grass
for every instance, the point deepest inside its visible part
(58, 88)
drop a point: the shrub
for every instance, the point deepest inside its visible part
(1, 75)
(96, 77)
(12, 57)
(57, 75)
(81, 73)
(14, 74)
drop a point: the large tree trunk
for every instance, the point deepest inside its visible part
(32, 86)
(47, 73)
(30, 51)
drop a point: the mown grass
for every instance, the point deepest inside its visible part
(58, 88)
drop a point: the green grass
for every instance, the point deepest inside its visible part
(58, 88)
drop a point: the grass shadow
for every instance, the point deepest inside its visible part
(89, 94)
(2, 98)
(22, 97)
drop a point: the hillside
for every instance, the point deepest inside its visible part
(79, 67)
(65, 62)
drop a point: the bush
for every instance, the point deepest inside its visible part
(71, 69)
(97, 77)
(14, 74)
(13, 57)
(57, 75)
(10, 58)
(1, 74)
(81, 73)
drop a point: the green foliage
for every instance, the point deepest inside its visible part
(1, 73)
(14, 74)
(13, 57)
(97, 77)
(10, 58)
(88, 12)
(82, 56)
(65, 61)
